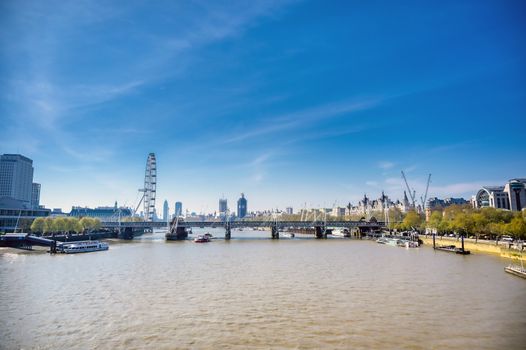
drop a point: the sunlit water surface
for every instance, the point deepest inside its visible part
(256, 293)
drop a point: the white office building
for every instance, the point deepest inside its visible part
(511, 196)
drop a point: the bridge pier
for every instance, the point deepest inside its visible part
(275, 232)
(320, 232)
(228, 232)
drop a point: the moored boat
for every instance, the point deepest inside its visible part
(453, 249)
(516, 270)
(343, 232)
(82, 247)
(382, 240)
(404, 243)
(177, 231)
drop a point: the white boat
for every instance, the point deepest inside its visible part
(408, 244)
(340, 232)
(287, 234)
(382, 240)
(202, 238)
(393, 242)
(516, 270)
(82, 247)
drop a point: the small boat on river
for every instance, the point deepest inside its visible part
(202, 238)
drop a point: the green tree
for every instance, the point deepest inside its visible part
(480, 224)
(395, 217)
(435, 220)
(38, 225)
(497, 229)
(86, 223)
(517, 227)
(412, 220)
(90, 223)
(73, 225)
(96, 224)
(463, 223)
(59, 225)
(48, 225)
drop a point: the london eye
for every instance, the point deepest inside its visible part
(150, 188)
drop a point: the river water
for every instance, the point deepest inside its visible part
(256, 293)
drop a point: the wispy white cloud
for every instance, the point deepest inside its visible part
(306, 118)
(42, 97)
(263, 130)
(410, 168)
(386, 165)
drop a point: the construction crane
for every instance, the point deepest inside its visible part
(412, 194)
(423, 200)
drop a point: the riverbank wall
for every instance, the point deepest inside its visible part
(503, 249)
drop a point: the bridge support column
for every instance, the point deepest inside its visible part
(320, 232)
(275, 232)
(228, 232)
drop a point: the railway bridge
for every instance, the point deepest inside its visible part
(319, 228)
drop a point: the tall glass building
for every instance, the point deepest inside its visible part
(178, 208)
(223, 206)
(165, 210)
(16, 177)
(242, 206)
(35, 195)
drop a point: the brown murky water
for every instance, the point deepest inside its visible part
(259, 294)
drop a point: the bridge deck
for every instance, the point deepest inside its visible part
(252, 224)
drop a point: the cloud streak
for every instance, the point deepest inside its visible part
(305, 118)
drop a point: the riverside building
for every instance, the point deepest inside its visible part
(19, 196)
(511, 196)
(16, 177)
(102, 213)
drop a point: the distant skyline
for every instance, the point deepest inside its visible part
(291, 102)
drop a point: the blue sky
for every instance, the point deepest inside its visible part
(291, 102)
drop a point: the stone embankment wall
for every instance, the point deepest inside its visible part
(503, 249)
